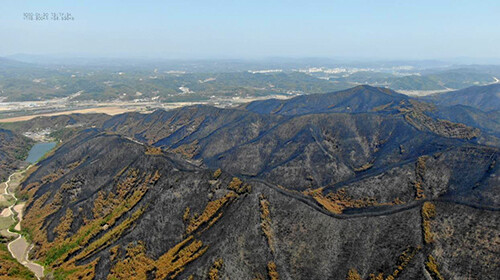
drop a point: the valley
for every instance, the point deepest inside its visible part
(19, 247)
(290, 188)
(27, 110)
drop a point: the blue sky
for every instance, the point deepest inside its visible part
(255, 29)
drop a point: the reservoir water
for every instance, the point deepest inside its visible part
(38, 150)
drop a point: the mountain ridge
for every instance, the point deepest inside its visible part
(87, 174)
(485, 98)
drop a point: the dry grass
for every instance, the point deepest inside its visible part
(64, 225)
(272, 271)
(265, 222)
(433, 268)
(419, 178)
(173, 262)
(153, 151)
(428, 213)
(217, 173)
(213, 273)
(339, 201)
(404, 260)
(353, 274)
(209, 213)
(137, 265)
(107, 211)
(187, 150)
(10, 268)
(238, 186)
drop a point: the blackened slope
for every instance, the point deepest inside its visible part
(325, 149)
(364, 99)
(444, 175)
(13, 150)
(236, 236)
(295, 151)
(171, 129)
(100, 191)
(488, 122)
(485, 98)
(354, 100)
(302, 242)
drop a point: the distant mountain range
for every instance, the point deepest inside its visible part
(162, 80)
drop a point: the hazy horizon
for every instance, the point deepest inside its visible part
(385, 30)
(341, 59)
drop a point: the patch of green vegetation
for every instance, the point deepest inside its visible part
(6, 203)
(56, 252)
(60, 274)
(5, 222)
(13, 225)
(21, 197)
(63, 133)
(26, 233)
(21, 153)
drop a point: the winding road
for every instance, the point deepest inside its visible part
(383, 212)
(19, 248)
